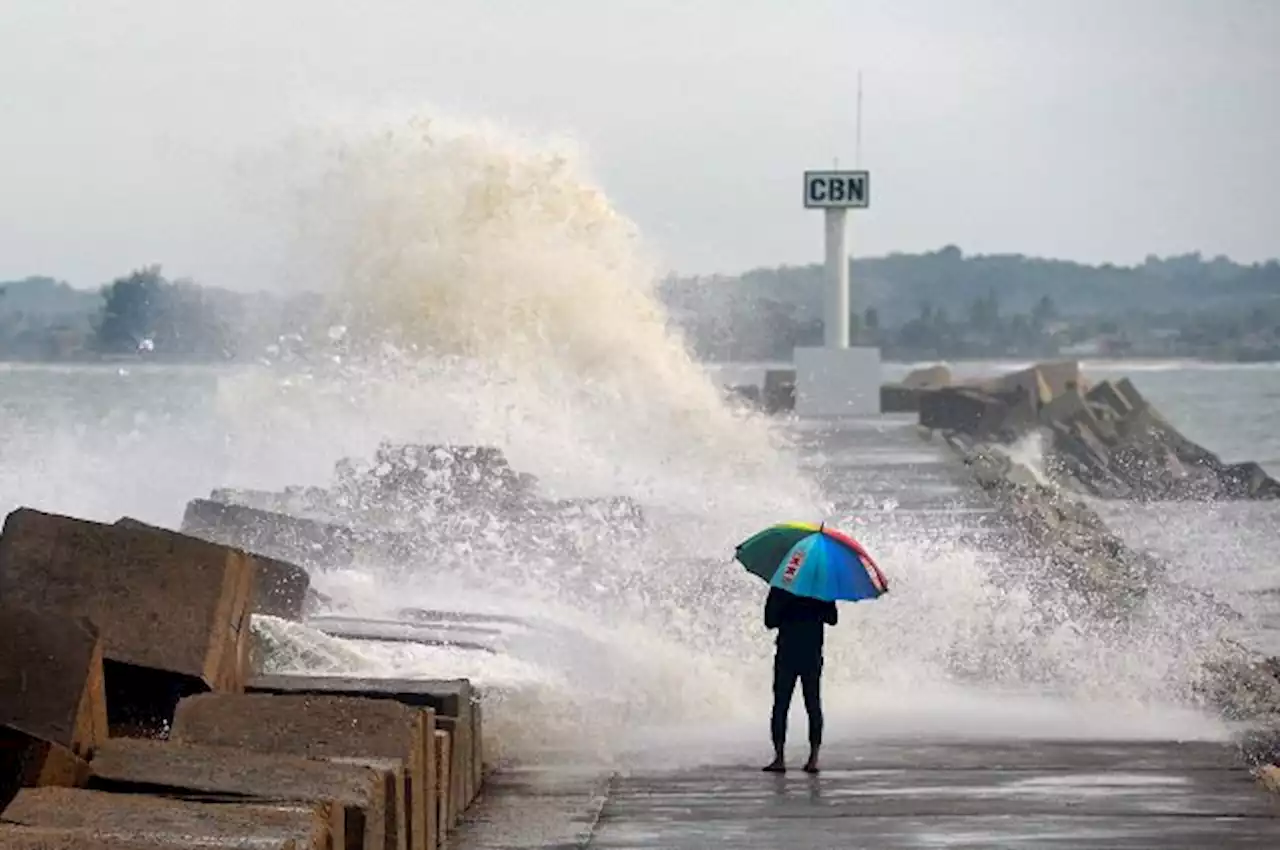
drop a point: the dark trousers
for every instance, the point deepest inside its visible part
(785, 672)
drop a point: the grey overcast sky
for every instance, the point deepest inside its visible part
(1099, 130)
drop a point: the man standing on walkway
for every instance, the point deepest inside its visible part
(800, 622)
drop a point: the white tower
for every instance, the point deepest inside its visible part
(838, 379)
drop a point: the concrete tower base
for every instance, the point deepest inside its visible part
(837, 381)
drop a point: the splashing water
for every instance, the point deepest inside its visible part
(487, 288)
(487, 293)
(1029, 451)
(484, 291)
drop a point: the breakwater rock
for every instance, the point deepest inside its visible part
(1106, 440)
(408, 500)
(1062, 533)
(1129, 451)
(131, 714)
(1084, 560)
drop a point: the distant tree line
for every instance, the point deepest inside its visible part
(936, 304)
(141, 315)
(946, 304)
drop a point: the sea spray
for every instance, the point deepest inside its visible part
(490, 276)
(483, 290)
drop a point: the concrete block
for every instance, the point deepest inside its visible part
(180, 770)
(895, 398)
(44, 838)
(477, 746)
(1086, 457)
(392, 773)
(835, 382)
(277, 535)
(279, 588)
(1130, 393)
(928, 377)
(446, 697)
(52, 699)
(778, 393)
(320, 727)
(904, 396)
(459, 767)
(51, 684)
(961, 409)
(1065, 407)
(1045, 381)
(444, 782)
(1106, 394)
(172, 612)
(156, 820)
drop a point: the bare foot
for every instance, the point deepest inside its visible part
(811, 766)
(775, 766)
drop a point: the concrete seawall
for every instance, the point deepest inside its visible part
(130, 715)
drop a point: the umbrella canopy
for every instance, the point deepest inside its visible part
(814, 561)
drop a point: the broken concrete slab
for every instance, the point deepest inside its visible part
(446, 697)
(321, 727)
(172, 769)
(139, 817)
(172, 612)
(279, 588)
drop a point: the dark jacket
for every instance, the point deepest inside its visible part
(800, 622)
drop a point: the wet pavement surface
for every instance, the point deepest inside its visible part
(901, 794)
(991, 794)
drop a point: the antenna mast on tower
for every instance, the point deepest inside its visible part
(857, 148)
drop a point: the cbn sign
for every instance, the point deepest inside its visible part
(837, 189)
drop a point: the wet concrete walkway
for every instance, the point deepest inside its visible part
(980, 795)
(906, 794)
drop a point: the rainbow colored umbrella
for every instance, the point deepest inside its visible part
(812, 560)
